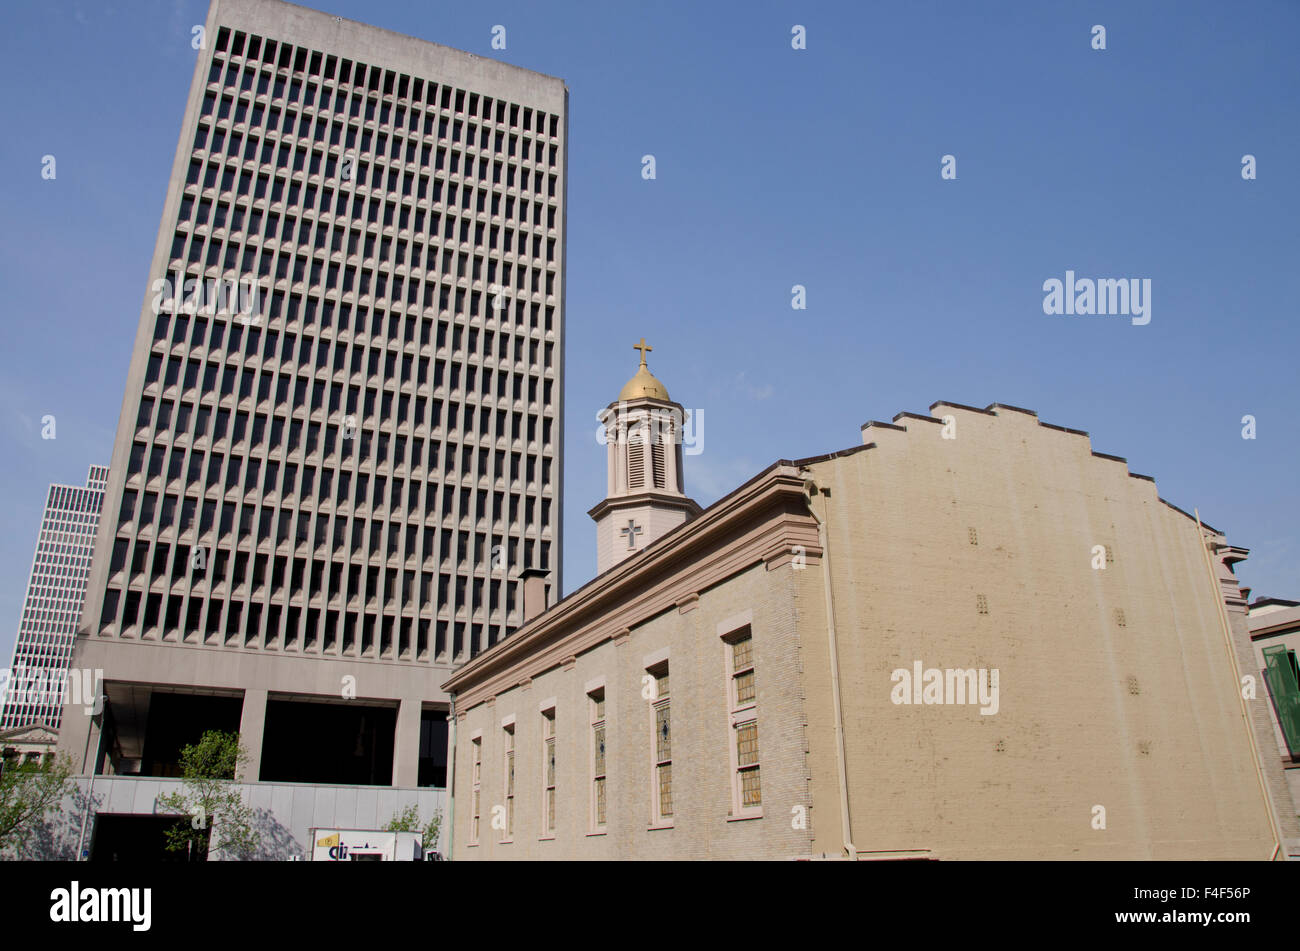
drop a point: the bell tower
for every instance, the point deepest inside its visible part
(645, 497)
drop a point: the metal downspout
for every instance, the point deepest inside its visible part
(1217, 590)
(823, 536)
(451, 780)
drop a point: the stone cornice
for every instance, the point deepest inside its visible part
(662, 499)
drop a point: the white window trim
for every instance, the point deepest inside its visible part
(653, 662)
(508, 726)
(738, 715)
(732, 625)
(476, 784)
(654, 659)
(548, 707)
(597, 686)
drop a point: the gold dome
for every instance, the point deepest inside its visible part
(643, 384)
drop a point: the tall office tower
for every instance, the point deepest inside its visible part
(323, 491)
(55, 594)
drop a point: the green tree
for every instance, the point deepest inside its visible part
(408, 820)
(219, 819)
(27, 792)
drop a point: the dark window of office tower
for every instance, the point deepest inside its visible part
(343, 743)
(433, 748)
(173, 721)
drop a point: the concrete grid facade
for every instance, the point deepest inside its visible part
(384, 427)
(345, 481)
(55, 592)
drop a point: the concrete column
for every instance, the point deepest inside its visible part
(252, 727)
(672, 475)
(611, 462)
(406, 745)
(620, 458)
(77, 738)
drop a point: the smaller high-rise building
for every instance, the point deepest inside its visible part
(55, 592)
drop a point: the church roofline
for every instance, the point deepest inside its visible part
(993, 410)
(919, 418)
(655, 558)
(827, 456)
(26, 727)
(640, 498)
(987, 411)
(1064, 429)
(582, 615)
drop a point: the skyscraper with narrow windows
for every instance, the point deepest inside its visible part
(340, 441)
(55, 592)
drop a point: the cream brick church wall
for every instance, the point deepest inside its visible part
(700, 738)
(1116, 688)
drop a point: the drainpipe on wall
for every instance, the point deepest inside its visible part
(102, 701)
(823, 537)
(451, 778)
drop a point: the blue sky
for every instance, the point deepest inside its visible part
(775, 167)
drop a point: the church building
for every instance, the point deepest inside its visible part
(968, 637)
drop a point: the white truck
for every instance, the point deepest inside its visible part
(365, 845)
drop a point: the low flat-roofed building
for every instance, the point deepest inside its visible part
(32, 744)
(1275, 638)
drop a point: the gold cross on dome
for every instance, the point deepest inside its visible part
(643, 347)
